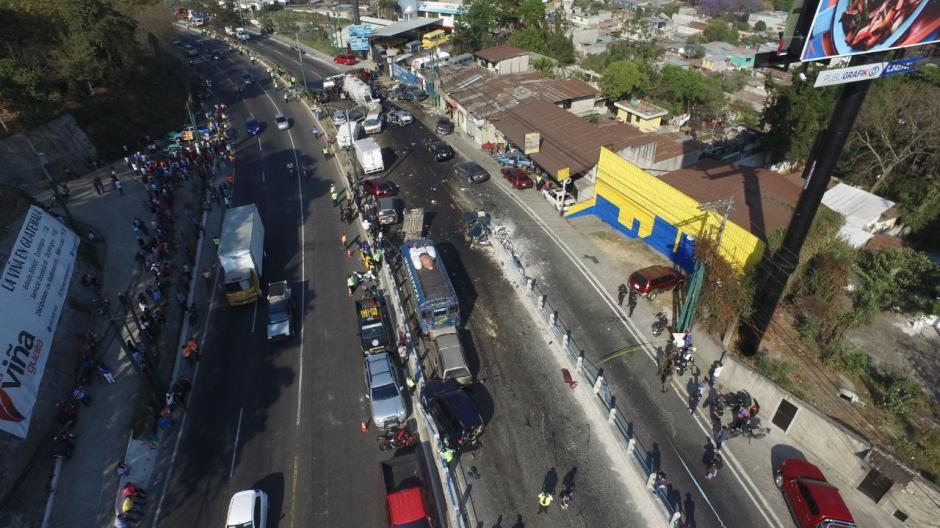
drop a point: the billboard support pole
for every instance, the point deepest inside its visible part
(776, 268)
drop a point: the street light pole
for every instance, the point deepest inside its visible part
(300, 58)
(43, 161)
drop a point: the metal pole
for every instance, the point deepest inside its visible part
(43, 160)
(776, 268)
(300, 57)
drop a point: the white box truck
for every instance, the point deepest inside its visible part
(369, 154)
(347, 133)
(241, 254)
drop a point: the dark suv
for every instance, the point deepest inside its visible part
(654, 279)
(471, 171)
(456, 416)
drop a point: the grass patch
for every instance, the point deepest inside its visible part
(778, 371)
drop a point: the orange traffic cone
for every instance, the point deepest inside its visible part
(348, 253)
(364, 426)
(348, 292)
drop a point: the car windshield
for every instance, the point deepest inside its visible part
(372, 122)
(640, 280)
(280, 119)
(384, 392)
(373, 331)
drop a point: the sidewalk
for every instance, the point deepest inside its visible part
(588, 236)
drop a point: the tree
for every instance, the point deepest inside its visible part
(694, 48)
(623, 78)
(474, 27)
(531, 12)
(719, 30)
(683, 90)
(760, 25)
(793, 116)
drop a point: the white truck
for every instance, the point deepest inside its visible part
(369, 154)
(360, 92)
(241, 254)
(347, 133)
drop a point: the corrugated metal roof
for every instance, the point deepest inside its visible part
(406, 26)
(763, 199)
(498, 53)
(494, 93)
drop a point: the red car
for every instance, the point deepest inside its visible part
(517, 177)
(654, 279)
(379, 188)
(346, 58)
(812, 500)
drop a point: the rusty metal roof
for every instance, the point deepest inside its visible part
(498, 53)
(482, 94)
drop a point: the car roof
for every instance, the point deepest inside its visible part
(380, 369)
(656, 271)
(240, 507)
(451, 394)
(515, 170)
(249, 119)
(469, 165)
(279, 116)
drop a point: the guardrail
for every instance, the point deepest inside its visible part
(591, 373)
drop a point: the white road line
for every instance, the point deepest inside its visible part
(262, 176)
(757, 498)
(238, 431)
(695, 481)
(260, 148)
(254, 317)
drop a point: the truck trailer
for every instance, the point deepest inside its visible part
(241, 252)
(360, 92)
(369, 154)
(436, 303)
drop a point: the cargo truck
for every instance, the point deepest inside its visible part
(436, 303)
(406, 491)
(369, 154)
(360, 92)
(241, 251)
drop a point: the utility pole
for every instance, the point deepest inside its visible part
(776, 268)
(300, 57)
(355, 12)
(43, 161)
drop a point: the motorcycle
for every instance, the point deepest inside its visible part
(396, 439)
(63, 444)
(660, 324)
(684, 360)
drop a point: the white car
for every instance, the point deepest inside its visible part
(554, 197)
(400, 117)
(248, 509)
(282, 122)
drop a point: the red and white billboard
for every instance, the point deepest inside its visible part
(852, 27)
(33, 288)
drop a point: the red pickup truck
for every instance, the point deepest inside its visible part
(813, 501)
(405, 494)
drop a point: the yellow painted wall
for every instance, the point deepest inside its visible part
(642, 198)
(645, 125)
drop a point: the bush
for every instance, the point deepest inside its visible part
(855, 362)
(777, 371)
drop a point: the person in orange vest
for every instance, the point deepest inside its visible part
(191, 351)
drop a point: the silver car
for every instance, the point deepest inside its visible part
(400, 117)
(282, 122)
(386, 400)
(339, 117)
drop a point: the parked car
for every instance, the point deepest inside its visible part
(651, 280)
(813, 501)
(339, 117)
(400, 117)
(471, 171)
(347, 58)
(440, 150)
(356, 115)
(282, 122)
(517, 177)
(280, 311)
(558, 198)
(386, 400)
(444, 126)
(248, 509)
(457, 417)
(252, 125)
(379, 187)
(413, 94)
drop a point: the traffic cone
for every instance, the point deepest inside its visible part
(364, 426)
(348, 253)
(348, 292)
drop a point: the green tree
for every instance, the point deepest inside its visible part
(760, 25)
(719, 30)
(694, 48)
(96, 42)
(531, 12)
(623, 78)
(474, 27)
(683, 90)
(793, 116)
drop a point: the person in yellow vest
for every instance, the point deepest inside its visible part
(545, 500)
(447, 455)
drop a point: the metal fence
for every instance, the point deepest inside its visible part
(574, 352)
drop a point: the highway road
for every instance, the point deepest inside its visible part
(284, 418)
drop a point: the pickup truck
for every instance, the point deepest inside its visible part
(405, 491)
(374, 324)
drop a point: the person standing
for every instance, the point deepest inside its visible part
(712, 470)
(99, 187)
(545, 500)
(566, 497)
(665, 373)
(106, 372)
(719, 438)
(715, 373)
(351, 284)
(621, 294)
(81, 395)
(631, 303)
(119, 186)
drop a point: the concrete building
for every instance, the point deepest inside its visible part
(585, 20)
(722, 56)
(503, 60)
(776, 21)
(642, 114)
(866, 214)
(444, 10)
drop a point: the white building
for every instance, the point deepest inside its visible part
(419, 9)
(776, 21)
(865, 214)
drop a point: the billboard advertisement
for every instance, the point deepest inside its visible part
(33, 289)
(843, 28)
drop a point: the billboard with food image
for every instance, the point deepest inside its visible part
(851, 27)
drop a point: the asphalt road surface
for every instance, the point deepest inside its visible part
(284, 418)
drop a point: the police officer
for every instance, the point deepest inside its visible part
(545, 500)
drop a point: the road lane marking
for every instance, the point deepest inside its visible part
(238, 431)
(293, 492)
(695, 481)
(262, 176)
(254, 317)
(260, 148)
(757, 498)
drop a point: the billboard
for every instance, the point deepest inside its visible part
(532, 142)
(851, 27)
(33, 289)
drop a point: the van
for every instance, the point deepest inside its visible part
(347, 133)
(389, 211)
(453, 361)
(413, 46)
(373, 122)
(433, 39)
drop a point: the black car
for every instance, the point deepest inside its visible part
(356, 115)
(456, 416)
(440, 150)
(471, 171)
(413, 94)
(444, 126)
